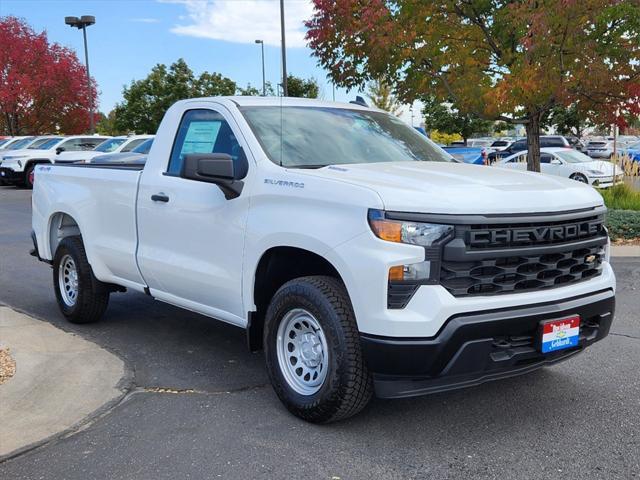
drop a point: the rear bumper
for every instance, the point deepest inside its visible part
(474, 348)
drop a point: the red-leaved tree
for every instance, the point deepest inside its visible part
(43, 86)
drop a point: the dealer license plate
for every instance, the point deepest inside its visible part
(560, 334)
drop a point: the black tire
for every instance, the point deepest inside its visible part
(28, 176)
(348, 387)
(579, 178)
(91, 299)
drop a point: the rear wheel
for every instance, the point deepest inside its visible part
(579, 178)
(312, 348)
(80, 295)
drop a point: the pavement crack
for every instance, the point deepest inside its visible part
(193, 391)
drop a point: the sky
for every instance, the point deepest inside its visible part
(131, 36)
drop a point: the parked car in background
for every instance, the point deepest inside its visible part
(546, 141)
(4, 140)
(569, 163)
(471, 155)
(500, 145)
(119, 144)
(600, 149)
(17, 166)
(16, 143)
(136, 156)
(632, 151)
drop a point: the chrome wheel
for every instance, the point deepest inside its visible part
(68, 280)
(302, 351)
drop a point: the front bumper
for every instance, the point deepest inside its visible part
(8, 175)
(474, 348)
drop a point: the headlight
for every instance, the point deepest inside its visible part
(414, 233)
(595, 172)
(404, 279)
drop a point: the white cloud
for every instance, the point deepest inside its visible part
(243, 21)
(144, 20)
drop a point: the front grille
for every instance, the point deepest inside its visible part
(510, 266)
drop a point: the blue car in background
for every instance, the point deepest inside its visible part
(467, 154)
(633, 151)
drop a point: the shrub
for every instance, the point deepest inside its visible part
(623, 224)
(621, 197)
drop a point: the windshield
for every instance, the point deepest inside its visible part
(144, 147)
(20, 144)
(573, 156)
(44, 143)
(109, 145)
(314, 137)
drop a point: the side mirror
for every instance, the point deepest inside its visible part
(555, 161)
(218, 168)
(59, 150)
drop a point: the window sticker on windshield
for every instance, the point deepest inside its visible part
(201, 137)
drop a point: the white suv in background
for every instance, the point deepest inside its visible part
(120, 144)
(18, 165)
(600, 149)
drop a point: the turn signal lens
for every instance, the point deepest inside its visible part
(396, 274)
(387, 230)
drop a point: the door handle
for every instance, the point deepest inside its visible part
(160, 197)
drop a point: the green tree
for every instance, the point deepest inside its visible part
(299, 87)
(252, 91)
(106, 124)
(569, 120)
(381, 95)
(442, 117)
(500, 60)
(146, 101)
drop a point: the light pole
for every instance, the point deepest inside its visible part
(285, 92)
(264, 85)
(82, 23)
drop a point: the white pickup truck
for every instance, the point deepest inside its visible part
(358, 254)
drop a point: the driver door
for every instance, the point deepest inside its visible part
(191, 238)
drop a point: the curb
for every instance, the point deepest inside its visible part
(625, 250)
(124, 386)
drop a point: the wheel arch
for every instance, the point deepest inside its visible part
(276, 266)
(61, 225)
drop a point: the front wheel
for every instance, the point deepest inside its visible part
(579, 178)
(29, 175)
(312, 348)
(80, 298)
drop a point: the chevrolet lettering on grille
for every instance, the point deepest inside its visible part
(533, 235)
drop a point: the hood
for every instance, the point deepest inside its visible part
(75, 156)
(28, 152)
(605, 167)
(454, 188)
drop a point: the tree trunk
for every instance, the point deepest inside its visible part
(533, 142)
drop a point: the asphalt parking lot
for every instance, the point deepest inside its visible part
(200, 405)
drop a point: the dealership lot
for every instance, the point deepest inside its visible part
(200, 405)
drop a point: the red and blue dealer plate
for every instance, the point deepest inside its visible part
(560, 334)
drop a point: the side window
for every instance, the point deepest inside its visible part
(202, 131)
(132, 144)
(551, 142)
(80, 144)
(545, 158)
(519, 145)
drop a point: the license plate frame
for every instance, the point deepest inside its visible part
(559, 333)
